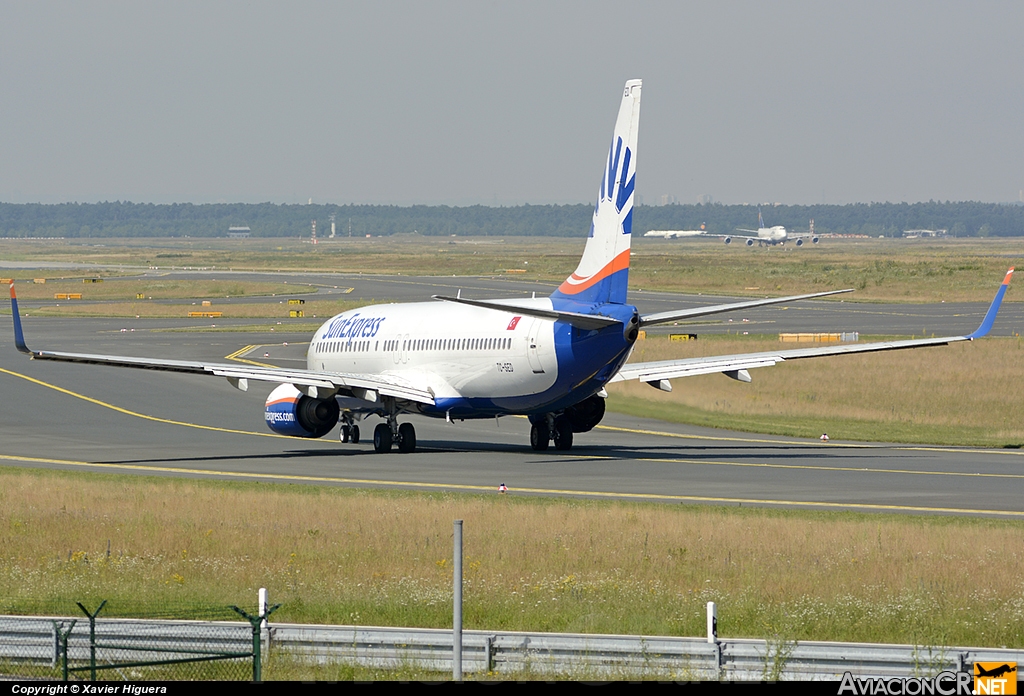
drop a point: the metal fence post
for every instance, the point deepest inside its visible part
(457, 603)
(256, 622)
(60, 647)
(92, 636)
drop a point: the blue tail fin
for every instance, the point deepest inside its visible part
(603, 272)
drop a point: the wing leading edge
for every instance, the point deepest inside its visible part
(655, 373)
(324, 384)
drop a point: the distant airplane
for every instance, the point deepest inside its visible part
(674, 234)
(769, 236)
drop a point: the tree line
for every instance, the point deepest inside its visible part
(125, 219)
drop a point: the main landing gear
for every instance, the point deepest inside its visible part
(551, 429)
(349, 430)
(391, 433)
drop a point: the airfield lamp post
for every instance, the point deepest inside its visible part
(713, 637)
(457, 603)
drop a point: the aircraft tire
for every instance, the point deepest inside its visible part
(382, 438)
(539, 437)
(354, 437)
(406, 438)
(563, 434)
(346, 433)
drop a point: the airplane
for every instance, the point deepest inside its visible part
(675, 234)
(995, 671)
(457, 358)
(769, 236)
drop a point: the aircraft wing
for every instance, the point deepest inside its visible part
(677, 314)
(736, 366)
(361, 386)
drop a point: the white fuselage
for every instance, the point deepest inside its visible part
(773, 234)
(455, 351)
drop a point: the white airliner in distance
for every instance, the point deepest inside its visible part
(769, 236)
(674, 234)
(458, 358)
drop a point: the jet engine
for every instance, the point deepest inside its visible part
(728, 240)
(290, 412)
(750, 242)
(799, 242)
(586, 414)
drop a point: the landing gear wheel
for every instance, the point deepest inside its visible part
(539, 437)
(563, 434)
(354, 437)
(382, 438)
(346, 433)
(406, 438)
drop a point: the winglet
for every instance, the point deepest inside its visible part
(19, 335)
(993, 309)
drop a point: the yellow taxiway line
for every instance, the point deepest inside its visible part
(127, 412)
(235, 356)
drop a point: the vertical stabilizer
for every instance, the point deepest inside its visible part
(603, 272)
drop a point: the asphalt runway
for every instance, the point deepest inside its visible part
(150, 423)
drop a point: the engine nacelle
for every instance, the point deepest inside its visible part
(799, 242)
(814, 240)
(728, 240)
(750, 242)
(586, 414)
(290, 412)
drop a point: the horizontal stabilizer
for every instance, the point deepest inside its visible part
(587, 322)
(677, 314)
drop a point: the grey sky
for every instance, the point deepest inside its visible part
(475, 102)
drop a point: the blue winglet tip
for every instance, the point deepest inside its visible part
(19, 335)
(993, 309)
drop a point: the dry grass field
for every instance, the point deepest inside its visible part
(941, 395)
(384, 558)
(882, 270)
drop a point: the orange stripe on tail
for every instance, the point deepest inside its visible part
(619, 263)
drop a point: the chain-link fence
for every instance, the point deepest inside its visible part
(90, 647)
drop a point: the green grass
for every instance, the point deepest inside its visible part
(345, 556)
